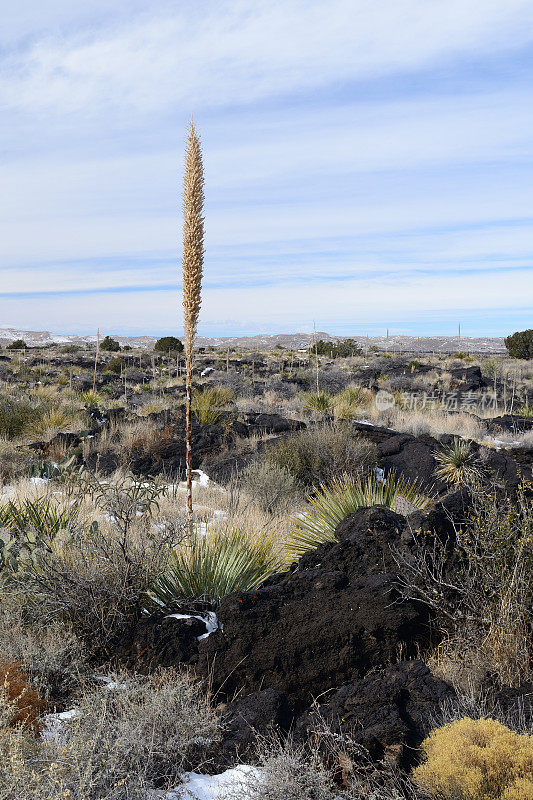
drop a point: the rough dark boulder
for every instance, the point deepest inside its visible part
(412, 457)
(445, 517)
(245, 718)
(328, 622)
(272, 423)
(389, 712)
(509, 423)
(500, 465)
(162, 642)
(163, 452)
(365, 542)
(468, 379)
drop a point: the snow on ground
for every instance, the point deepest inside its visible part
(213, 787)
(498, 444)
(53, 725)
(209, 618)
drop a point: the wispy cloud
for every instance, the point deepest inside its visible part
(362, 159)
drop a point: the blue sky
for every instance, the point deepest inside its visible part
(368, 165)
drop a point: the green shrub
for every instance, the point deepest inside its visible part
(114, 366)
(335, 502)
(208, 567)
(272, 487)
(109, 344)
(322, 453)
(476, 760)
(71, 348)
(18, 344)
(16, 416)
(168, 344)
(348, 347)
(209, 404)
(457, 464)
(318, 402)
(520, 344)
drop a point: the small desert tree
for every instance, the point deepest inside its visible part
(193, 262)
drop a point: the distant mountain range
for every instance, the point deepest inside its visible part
(292, 341)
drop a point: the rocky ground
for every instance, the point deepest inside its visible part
(342, 638)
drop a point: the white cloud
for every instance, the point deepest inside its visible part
(310, 172)
(355, 302)
(235, 51)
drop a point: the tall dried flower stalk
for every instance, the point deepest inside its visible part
(193, 262)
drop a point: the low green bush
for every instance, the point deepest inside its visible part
(272, 487)
(209, 404)
(520, 344)
(320, 454)
(318, 402)
(209, 566)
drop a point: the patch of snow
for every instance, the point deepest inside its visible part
(110, 683)
(206, 371)
(53, 727)
(39, 481)
(380, 475)
(499, 443)
(209, 618)
(213, 787)
(203, 479)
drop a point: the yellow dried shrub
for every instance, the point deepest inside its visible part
(476, 760)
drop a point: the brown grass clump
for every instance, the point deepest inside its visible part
(476, 760)
(24, 701)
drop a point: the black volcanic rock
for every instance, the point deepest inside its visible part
(365, 539)
(272, 423)
(468, 379)
(330, 621)
(162, 642)
(245, 718)
(389, 712)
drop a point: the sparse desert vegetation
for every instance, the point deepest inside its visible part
(115, 610)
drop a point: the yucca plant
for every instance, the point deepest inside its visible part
(91, 398)
(209, 566)
(335, 502)
(44, 516)
(192, 264)
(318, 402)
(458, 464)
(53, 418)
(351, 401)
(209, 404)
